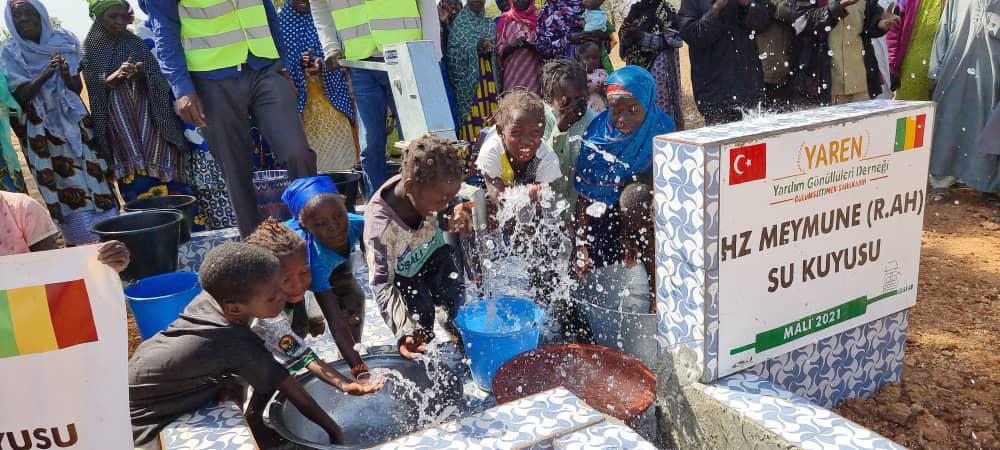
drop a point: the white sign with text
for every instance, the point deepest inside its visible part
(819, 232)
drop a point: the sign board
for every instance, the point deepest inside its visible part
(63, 352)
(819, 232)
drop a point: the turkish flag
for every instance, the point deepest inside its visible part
(747, 163)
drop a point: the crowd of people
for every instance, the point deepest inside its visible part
(204, 93)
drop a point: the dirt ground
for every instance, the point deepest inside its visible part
(949, 397)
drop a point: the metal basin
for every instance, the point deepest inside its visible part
(366, 420)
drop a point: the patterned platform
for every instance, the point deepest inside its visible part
(532, 422)
(854, 363)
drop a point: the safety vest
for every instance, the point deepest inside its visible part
(365, 26)
(217, 34)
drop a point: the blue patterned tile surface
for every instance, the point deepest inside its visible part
(795, 419)
(523, 423)
(855, 363)
(192, 253)
(605, 435)
(214, 427)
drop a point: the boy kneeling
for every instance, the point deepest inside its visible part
(193, 361)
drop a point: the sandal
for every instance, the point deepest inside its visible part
(940, 195)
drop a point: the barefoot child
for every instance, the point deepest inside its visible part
(330, 232)
(512, 152)
(412, 269)
(190, 364)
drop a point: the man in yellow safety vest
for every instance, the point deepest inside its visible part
(222, 61)
(358, 30)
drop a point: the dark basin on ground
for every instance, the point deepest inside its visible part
(366, 420)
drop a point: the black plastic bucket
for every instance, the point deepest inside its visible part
(185, 204)
(152, 238)
(392, 168)
(348, 184)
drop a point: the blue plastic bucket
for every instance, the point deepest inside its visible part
(491, 340)
(158, 300)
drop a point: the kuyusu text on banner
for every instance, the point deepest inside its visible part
(819, 232)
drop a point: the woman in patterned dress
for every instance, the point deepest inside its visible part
(42, 67)
(471, 63)
(130, 105)
(324, 99)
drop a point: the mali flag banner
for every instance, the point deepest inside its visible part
(910, 132)
(38, 319)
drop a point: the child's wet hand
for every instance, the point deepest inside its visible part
(361, 387)
(534, 191)
(461, 219)
(114, 254)
(410, 347)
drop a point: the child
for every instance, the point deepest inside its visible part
(595, 18)
(285, 344)
(188, 365)
(412, 269)
(520, 62)
(320, 217)
(636, 203)
(512, 152)
(589, 55)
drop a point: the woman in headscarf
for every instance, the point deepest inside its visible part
(649, 40)
(470, 66)
(11, 179)
(72, 173)
(520, 61)
(617, 150)
(131, 107)
(324, 100)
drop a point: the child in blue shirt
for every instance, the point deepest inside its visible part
(320, 217)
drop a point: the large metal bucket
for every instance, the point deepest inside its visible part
(366, 420)
(616, 301)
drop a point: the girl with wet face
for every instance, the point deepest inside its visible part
(42, 66)
(617, 150)
(512, 152)
(130, 104)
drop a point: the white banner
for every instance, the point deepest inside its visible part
(63, 353)
(819, 232)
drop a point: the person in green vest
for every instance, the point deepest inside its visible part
(358, 30)
(222, 62)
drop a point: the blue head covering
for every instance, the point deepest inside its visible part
(301, 190)
(609, 158)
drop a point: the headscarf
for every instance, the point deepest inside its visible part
(558, 20)
(528, 17)
(98, 7)
(301, 190)
(59, 108)
(463, 56)
(609, 158)
(299, 34)
(103, 55)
